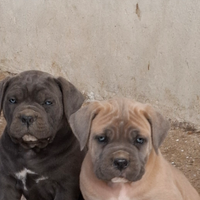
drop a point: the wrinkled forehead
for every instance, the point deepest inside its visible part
(32, 82)
(121, 114)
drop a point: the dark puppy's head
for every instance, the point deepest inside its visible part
(36, 105)
(120, 134)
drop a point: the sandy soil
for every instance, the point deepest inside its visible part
(181, 148)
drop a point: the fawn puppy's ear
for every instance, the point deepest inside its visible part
(81, 121)
(159, 126)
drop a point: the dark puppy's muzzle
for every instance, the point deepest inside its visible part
(28, 117)
(32, 130)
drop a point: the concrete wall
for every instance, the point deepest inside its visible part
(146, 50)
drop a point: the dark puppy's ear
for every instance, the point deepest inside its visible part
(3, 87)
(81, 121)
(159, 126)
(72, 98)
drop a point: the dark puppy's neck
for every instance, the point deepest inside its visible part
(64, 139)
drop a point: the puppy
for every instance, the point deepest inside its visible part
(123, 161)
(39, 155)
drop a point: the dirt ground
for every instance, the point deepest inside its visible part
(181, 148)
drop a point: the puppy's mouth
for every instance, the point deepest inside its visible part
(121, 177)
(29, 141)
(119, 180)
(29, 138)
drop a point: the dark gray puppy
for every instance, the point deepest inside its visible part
(39, 155)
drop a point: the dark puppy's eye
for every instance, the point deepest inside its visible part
(140, 140)
(48, 102)
(12, 100)
(101, 138)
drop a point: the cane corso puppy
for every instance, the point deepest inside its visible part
(123, 160)
(39, 155)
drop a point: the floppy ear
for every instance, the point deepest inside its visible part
(80, 123)
(159, 126)
(3, 87)
(72, 98)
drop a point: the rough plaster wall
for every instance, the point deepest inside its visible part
(147, 50)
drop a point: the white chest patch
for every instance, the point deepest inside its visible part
(22, 176)
(123, 195)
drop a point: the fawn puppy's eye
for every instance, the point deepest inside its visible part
(140, 140)
(101, 138)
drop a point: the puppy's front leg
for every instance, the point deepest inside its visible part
(8, 190)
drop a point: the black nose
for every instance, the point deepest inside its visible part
(28, 120)
(120, 163)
